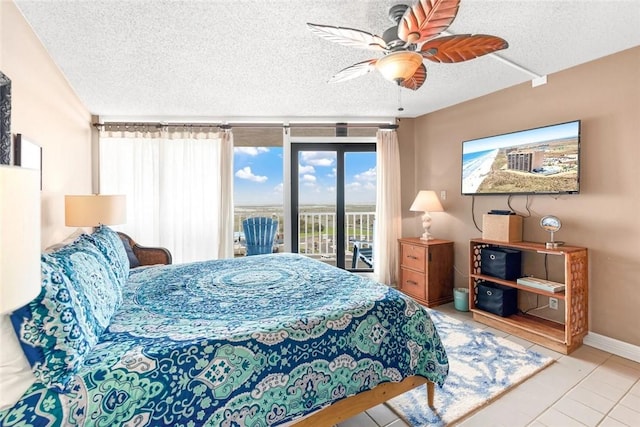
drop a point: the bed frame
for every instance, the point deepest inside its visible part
(347, 408)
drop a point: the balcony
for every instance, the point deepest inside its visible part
(316, 234)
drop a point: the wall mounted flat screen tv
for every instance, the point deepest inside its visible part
(544, 160)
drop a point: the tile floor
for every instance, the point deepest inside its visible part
(589, 387)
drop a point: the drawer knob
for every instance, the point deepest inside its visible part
(411, 282)
(412, 257)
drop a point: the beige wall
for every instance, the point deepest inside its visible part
(605, 95)
(46, 110)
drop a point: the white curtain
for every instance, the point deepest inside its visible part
(179, 188)
(388, 210)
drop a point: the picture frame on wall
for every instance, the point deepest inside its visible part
(27, 154)
(5, 120)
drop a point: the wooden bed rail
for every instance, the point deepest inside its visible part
(347, 408)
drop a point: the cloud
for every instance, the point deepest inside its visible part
(368, 175)
(308, 178)
(278, 188)
(306, 169)
(245, 173)
(251, 151)
(318, 158)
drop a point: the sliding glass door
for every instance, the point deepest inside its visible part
(333, 202)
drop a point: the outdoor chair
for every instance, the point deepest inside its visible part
(362, 251)
(259, 234)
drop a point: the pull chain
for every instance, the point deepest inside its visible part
(400, 98)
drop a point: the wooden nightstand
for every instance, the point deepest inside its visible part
(426, 270)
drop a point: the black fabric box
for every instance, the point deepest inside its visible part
(500, 262)
(496, 299)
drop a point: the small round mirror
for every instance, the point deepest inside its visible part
(550, 223)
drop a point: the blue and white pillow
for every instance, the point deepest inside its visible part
(61, 325)
(109, 243)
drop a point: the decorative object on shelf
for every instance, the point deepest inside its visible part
(551, 224)
(27, 154)
(426, 201)
(5, 120)
(19, 237)
(411, 39)
(94, 210)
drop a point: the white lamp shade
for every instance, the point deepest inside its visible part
(426, 201)
(20, 280)
(94, 210)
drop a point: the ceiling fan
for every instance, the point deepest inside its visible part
(412, 39)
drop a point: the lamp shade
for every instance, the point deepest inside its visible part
(399, 66)
(427, 201)
(20, 280)
(94, 210)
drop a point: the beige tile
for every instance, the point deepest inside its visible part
(579, 411)
(625, 415)
(635, 390)
(627, 362)
(615, 375)
(499, 413)
(591, 399)
(631, 401)
(610, 422)
(603, 389)
(592, 354)
(360, 420)
(382, 415)
(553, 417)
(536, 424)
(398, 423)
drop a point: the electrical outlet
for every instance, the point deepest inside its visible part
(443, 195)
(553, 303)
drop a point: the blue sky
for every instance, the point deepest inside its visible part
(258, 176)
(547, 133)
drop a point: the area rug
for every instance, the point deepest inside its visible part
(481, 367)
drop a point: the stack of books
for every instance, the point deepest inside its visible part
(545, 285)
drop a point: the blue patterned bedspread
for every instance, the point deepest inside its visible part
(255, 341)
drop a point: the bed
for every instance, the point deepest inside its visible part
(273, 339)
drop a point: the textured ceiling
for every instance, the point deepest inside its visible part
(236, 60)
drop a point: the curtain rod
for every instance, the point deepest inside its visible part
(252, 125)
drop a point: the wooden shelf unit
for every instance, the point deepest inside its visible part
(560, 337)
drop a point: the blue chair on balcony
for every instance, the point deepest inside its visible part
(259, 234)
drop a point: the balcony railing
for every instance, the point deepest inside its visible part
(317, 232)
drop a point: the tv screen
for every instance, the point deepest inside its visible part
(544, 160)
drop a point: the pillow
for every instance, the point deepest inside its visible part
(59, 327)
(133, 259)
(15, 373)
(109, 243)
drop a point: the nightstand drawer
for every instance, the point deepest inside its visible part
(413, 284)
(413, 256)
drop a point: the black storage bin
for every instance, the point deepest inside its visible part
(500, 262)
(496, 299)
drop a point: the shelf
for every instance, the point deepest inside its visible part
(546, 330)
(531, 246)
(559, 295)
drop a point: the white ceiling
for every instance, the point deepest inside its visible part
(235, 60)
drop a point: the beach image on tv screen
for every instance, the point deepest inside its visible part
(541, 160)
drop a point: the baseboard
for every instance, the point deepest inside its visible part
(614, 346)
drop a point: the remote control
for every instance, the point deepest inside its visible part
(500, 212)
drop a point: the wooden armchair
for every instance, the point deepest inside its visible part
(147, 255)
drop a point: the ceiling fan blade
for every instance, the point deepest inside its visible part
(427, 19)
(461, 47)
(355, 70)
(416, 81)
(348, 37)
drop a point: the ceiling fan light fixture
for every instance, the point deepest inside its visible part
(399, 66)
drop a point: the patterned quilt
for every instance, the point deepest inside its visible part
(255, 341)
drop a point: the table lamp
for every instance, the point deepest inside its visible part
(94, 210)
(426, 201)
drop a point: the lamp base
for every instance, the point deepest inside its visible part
(426, 225)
